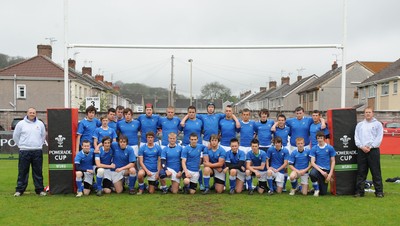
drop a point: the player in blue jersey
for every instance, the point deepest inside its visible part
(300, 127)
(299, 163)
(263, 129)
(84, 165)
(148, 122)
(171, 164)
(214, 164)
(112, 122)
(315, 127)
(236, 163)
(104, 130)
(169, 124)
(130, 128)
(86, 128)
(103, 160)
(191, 157)
(256, 166)
(149, 160)
(119, 113)
(323, 163)
(124, 159)
(282, 131)
(192, 125)
(277, 160)
(210, 122)
(247, 129)
(228, 127)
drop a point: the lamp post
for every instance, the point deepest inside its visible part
(191, 97)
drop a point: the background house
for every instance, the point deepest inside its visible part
(324, 92)
(380, 91)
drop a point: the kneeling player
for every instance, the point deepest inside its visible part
(191, 156)
(323, 163)
(299, 163)
(256, 166)
(84, 169)
(124, 159)
(235, 161)
(214, 161)
(277, 160)
(149, 160)
(171, 164)
(103, 160)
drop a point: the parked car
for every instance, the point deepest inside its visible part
(14, 122)
(392, 128)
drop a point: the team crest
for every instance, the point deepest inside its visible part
(345, 139)
(60, 140)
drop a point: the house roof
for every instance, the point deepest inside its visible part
(375, 67)
(280, 91)
(390, 71)
(38, 66)
(287, 89)
(325, 78)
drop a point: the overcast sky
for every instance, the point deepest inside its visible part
(372, 35)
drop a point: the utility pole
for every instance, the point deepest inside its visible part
(171, 87)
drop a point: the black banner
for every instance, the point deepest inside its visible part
(60, 139)
(342, 124)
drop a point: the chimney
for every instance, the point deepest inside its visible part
(99, 78)
(263, 89)
(245, 94)
(285, 80)
(334, 65)
(71, 63)
(272, 84)
(44, 50)
(116, 88)
(299, 77)
(87, 70)
(109, 84)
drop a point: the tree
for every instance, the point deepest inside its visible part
(215, 90)
(6, 60)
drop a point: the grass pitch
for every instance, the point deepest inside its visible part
(212, 209)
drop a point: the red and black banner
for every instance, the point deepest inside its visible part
(342, 123)
(62, 126)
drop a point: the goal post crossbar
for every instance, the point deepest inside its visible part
(111, 46)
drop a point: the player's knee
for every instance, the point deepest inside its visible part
(141, 173)
(293, 175)
(186, 181)
(269, 173)
(79, 174)
(207, 170)
(248, 173)
(132, 171)
(233, 172)
(100, 172)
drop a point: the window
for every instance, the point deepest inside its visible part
(395, 87)
(76, 91)
(363, 93)
(80, 92)
(21, 91)
(299, 99)
(310, 97)
(316, 95)
(85, 92)
(385, 88)
(371, 91)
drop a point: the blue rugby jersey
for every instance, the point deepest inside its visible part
(150, 156)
